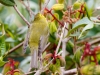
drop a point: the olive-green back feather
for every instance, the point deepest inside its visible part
(38, 29)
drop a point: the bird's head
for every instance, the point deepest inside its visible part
(38, 16)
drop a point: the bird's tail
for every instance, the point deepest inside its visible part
(34, 59)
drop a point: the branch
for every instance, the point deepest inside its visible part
(45, 4)
(28, 8)
(87, 39)
(42, 69)
(95, 41)
(69, 2)
(70, 72)
(49, 11)
(92, 42)
(38, 72)
(46, 47)
(15, 7)
(13, 49)
(61, 38)
(64, 41)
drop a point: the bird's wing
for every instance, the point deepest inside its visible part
(25, 43)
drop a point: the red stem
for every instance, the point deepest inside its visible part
(88, 52)
(49, 11)
(81, 10)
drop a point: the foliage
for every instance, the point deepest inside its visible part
(74, 36)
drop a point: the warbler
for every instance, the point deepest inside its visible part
(38, 32)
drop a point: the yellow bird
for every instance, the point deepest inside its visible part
(38, 35)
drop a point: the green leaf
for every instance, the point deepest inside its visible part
(52, 38)
(10, 33)
(52, 27)
(52, 68)
(94, 31)
(98, 57)
(85, 22)
(57, 16)
(87, 11)
(10, 19)
(89, 8)
(55, 67)
(9, 40)
(2, 30)
(69, 47)
(58, 7)
(77, 5)
(88, 69)
(2, 40)
(1, 61)
(69, 62)
(57, 63)
(82, 22)
(7, 2)
(77, 57)
(75, 34)
(2, 46)
(87, 27)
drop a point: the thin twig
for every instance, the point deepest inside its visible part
(64, 41)
(69, 2)
(95, 41)
(43, 68)
(61, 70)
(92, 42)
(87, 39)
(60, 38)
(13, 49)
(70, 72)
(45, 5)
(15, 7)
(49, 11)
(28, 8)
(29, 73)
(46, 47)
(38, 72)
(74, 48)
